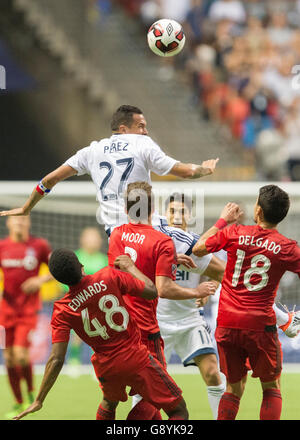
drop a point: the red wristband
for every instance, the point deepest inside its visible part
(221, 223)
(38, 189)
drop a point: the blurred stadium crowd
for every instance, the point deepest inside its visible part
(241, 58)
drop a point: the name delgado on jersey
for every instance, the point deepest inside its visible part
(251, 241)
(87, 293)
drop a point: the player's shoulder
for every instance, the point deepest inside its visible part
(178, 234)
(39, 242)
(4, 241)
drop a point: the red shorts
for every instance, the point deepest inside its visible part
(155, 344)
(241, 350)
(151, 381)
(20, 334)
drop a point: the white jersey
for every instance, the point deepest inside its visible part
(169, 309)
(114, 162)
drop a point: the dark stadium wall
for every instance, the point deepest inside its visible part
(49, 118)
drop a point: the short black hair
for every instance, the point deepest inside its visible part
(139, 200)
(65, 266)
(274, 202)
(179, 197)
(124, 115)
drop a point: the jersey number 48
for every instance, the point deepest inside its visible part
(101, 330)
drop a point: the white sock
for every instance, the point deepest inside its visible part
(214, 394)
(135, 400)
(281, 316)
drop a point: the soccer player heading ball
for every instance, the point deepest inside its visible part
(129, 155)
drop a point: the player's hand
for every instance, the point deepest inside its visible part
(13, 212)
(186, 261)
(201, 302)
(123, 262)
(231, 213)
(206, 289)
(36, 406)
(31, 285)
(209, 166)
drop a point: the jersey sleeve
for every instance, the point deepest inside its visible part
(220, 240)
(80, 161)
(166, 262)
(129, 285)
(156, 160)
(60, 327)
(293, 264)
(183, 240)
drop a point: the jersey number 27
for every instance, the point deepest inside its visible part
(128, 162)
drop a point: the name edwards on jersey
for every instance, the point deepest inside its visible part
(249, 240)
(87, 293)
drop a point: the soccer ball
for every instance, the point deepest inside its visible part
(166, 38)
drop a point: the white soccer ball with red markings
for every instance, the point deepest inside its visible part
(166, 38)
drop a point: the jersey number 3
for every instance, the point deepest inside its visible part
(253, 270)
(101, 330)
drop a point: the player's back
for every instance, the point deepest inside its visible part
(154, 254)
(96, 311)
(257, 259)
(113, 163)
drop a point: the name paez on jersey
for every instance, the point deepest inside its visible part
(114, 147)
(259, 242)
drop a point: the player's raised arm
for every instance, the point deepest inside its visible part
(192, 171)
(230, 214)
(43, 188)
(52, 370)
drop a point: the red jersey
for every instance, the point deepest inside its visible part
(20, 261)
(257, 258)
(96, 311)
(153, 254)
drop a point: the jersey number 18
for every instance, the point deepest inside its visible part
(253, 270)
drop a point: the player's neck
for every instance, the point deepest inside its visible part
(19, 238)
(142, 222)
(266, 225)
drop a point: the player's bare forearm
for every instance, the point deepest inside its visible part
(193, 171)
(200, 249)
(168, 289)
(215, 269)
(49, 182)
(52, 370)
(230, 214)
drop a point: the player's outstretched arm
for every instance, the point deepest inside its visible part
(215, 269)
(192, 171)
(230, 214)
(46, 184)
(52, 370)
(168, 289)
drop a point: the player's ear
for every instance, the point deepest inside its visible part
(123, 129)
(259, 213)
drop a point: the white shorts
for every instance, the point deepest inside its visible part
(188, 337)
